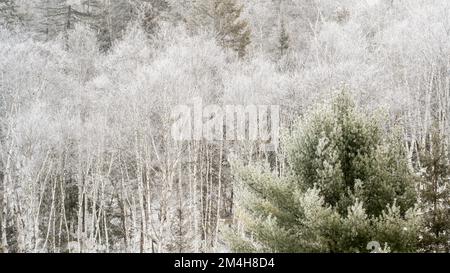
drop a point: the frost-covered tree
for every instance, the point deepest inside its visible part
(9, 13)
(122, 13)
(98, 15)
(91, 7)
(350, 185)
(283, 40)
(54, 17)
(57, 16)
(151, 13)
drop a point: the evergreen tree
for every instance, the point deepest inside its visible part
(224, 16)
(435, 193)
(181, 229)
(349, 185)
(232, 31)
(339, 149)
(283, 40)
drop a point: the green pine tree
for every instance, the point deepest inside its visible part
(337, 149)
(224, 16)
(349, 185)
(435, 193)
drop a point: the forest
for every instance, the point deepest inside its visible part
(89, 163)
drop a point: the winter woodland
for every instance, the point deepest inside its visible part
(88, 162)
